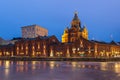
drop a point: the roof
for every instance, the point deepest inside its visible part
(8, 45)
(34, 25)
(114, 43)
(39, 37)
(75, 16)
(101, 42)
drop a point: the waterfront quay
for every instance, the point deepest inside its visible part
(88, 59)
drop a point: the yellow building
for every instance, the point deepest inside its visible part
(75, 32)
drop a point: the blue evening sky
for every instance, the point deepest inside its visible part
(102, 17)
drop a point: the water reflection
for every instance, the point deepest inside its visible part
(44, 65)
(33, 65)
(1, 63)
(59, 70)
(84, 65)
(52, 65)
(111, 66)
(7, 68)
(7, 64)
(21, 66)
(117, 67)
(74, 64)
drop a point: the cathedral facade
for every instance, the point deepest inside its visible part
(75, 32)
(75, 43)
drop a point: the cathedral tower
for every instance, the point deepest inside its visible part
(76, 22)
(75, 31)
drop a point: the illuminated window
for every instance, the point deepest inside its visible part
(82, 53)
(44, 46)
(38, 53)
(81, 44)
(21, 47)
(7, 53)
(38, 45)
(12, 53)
(33, 47)
(33, 53)
(21, 53)
(26, 48)
(89, 49)
(51, 53)
(73, 49)
(68, 53)
(0, 53)
(4, 52)
(17, 50)
(59, 54)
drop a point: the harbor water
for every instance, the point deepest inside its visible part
(59, 70)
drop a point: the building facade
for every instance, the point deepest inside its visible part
(75, 43)
(7, 50)
(33, 31)
(35, 47)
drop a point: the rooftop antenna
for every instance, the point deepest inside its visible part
(76, 12)
(111, 37)
(93, 38)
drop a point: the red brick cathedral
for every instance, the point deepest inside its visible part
(75, 43)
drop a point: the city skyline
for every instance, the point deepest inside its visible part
(100, 17)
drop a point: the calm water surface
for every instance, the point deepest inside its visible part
(53, 70)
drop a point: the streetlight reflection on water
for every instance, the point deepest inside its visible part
(33, 65)
(8, 68)
(110, 66)
(52, 65)
(23, 65)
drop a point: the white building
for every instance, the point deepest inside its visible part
(33, 31)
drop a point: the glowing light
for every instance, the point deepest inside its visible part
(73, 49)
(74, 64)
(51, 53)
(22, 53)
(117, 67)
(7, 53)
(7, 66)
(38, 45)
(103, 66)
(0, 53)
(68, 53)
(17, 50)
(26, 47)
(81, 44)
(33, 65)
(44, 51)
(33, 47)
(33, 53)
(52, 65)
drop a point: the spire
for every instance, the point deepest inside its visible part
(76, 16)
(76, 22)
